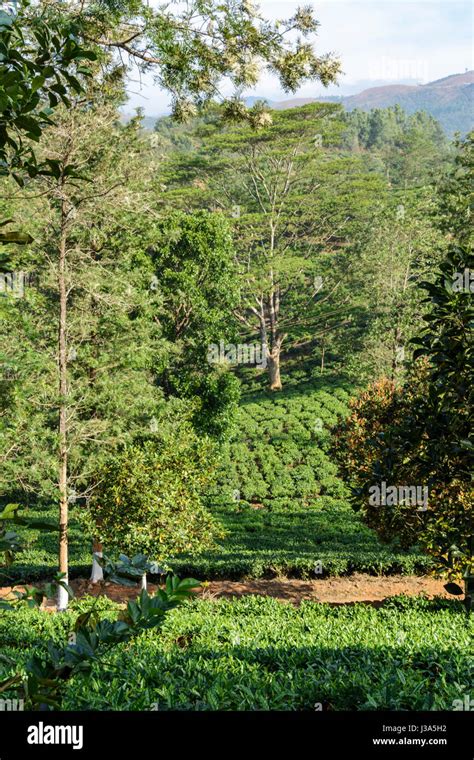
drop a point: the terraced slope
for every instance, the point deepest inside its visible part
(280, 498)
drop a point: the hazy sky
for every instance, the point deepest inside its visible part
(378, 41)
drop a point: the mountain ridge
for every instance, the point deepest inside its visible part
(449, 99)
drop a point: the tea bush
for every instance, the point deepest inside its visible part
(257, 653)
(280, 448)
(288, 542)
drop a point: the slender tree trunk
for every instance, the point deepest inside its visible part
(97, 573)
(63, 441)
(396, 360)
(264, 341)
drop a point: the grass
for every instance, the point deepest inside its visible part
(256, 653)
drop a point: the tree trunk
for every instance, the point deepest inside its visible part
(274, 370)
(97, 573)
(63, 452)
(143, 582)
(396, 359)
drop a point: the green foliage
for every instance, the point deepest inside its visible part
(420, 434)
(331, 236)
(192, 50)
(288, 541)
(34, 596)
(113, 339)
(291, 510)
(399, 249)
(256, 653)
(455, 197)
(148, 612)
(279, 450)
(149, 498)
(370, 449)
(193, 261)
(395, 434)
(126, 571)
(412, 147)
(93, 636)
(405, 437)
(41, 62)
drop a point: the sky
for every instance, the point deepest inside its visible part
(378, 41)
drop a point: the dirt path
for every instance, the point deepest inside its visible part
(344, 590)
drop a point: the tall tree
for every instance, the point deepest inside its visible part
(193, 261)
(295, 198)
(85, 334)
(421, 432)
(397, 251)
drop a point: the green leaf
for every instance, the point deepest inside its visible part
(6, 19)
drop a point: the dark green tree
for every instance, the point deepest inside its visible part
(193, 262)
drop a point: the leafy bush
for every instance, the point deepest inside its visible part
(149, 499)
(257, 653)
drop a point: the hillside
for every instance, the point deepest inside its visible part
(280, 498)
(450, 100)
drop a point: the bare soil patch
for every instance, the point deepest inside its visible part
(343, 590)
(359, 587)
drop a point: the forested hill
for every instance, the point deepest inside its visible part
(450, 100)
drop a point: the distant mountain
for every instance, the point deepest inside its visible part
(450, 100)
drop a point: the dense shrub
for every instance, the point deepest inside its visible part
(386, 438)
(257, 653)
(149, 498)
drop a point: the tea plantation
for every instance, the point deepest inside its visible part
(256, 653)
(279, 499)
(284, 510)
